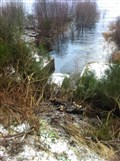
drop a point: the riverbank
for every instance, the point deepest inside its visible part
(60, 136)
(75, 120)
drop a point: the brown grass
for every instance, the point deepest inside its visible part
(81, 139)
(116, 57)
(18, 103)
(113, 35)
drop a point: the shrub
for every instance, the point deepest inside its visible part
(116, 33)
(85, 87)
(103, 93)
(22, 81)
(54, 18)
(113, 35)
(11, 18)
(115, 57)
(16, 58)
(110, 85)
(11, 21)
(42, 51)
(86, 14)
(66, 83)
(51, 17)
(108, 129)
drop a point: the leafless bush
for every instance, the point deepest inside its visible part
(116, 32)
(52, 17)
(113, 35)
(86, 14)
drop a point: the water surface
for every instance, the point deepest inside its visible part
(88, 47)
(91, 46)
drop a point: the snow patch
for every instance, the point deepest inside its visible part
(97, 68)
(57, 78)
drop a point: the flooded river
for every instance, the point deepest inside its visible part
(90, 46)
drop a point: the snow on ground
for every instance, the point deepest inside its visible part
(97, 68)
(57, 78)
(58, 148)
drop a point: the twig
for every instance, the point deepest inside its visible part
(12, 107)
(112, 142)
(22, 134)
(42, 93)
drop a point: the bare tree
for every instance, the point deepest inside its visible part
(86, 14)
(52, 18)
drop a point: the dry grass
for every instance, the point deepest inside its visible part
(104, 150)
(116, 57)
(114, 31)
(107, 36)
(17, 104)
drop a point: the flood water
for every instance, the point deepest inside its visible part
(90, 46)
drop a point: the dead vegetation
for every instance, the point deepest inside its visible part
(86, 15)
(17, 104)
(53, 20)
(23, 89)
(113, 36)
